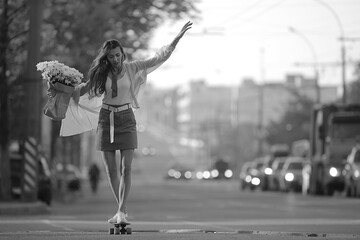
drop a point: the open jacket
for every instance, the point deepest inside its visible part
(83, 111)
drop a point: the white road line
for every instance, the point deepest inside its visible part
(57, 225)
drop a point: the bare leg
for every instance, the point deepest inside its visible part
(111, 170)
(125, 176)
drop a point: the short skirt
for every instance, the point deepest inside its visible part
(125, 135)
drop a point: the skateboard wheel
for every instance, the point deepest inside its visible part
(111, 231)
(128, 231)
(117, 231)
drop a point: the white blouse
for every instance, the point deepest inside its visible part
(83, 112)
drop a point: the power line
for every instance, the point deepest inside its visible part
(269, 8)
(240, 12)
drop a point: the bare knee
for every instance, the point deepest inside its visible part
(110, 165)
(127, 157)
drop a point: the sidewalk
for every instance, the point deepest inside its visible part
(23, 208)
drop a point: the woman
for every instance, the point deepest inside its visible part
(118, 82)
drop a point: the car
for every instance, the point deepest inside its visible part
(352, 173)
(221, 170)
(255, 173)
(179, 172)
(244, 175)
(291, 174)
(44, 186)
(277, 150)
(274, 177)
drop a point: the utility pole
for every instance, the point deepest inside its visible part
(343, 71)
(342, 48)
(33, 95)
(261, 103)
(315, 66)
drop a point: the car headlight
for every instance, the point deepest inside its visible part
(289, 177)
(199, 175)
(206, 174)
(268, 171)
(177, 174)
(215, 173)
(188, 175)
(248, 179)
(171, 172)
(333, 172)
(356, 173)
(255, 181)
(228, 173)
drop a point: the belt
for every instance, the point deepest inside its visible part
(112, 111)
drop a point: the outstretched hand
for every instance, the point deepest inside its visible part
(186, 27)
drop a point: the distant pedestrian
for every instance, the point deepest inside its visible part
(117, 82)
(94, 177)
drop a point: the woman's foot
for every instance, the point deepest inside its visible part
(125, 212)
(113, 219)
(121, 218)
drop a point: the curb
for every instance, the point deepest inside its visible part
(266, 233)
(299, 234)
(23, 208)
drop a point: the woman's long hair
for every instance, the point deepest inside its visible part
(101, 67)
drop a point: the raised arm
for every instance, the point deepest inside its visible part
(186, 27)
(164, 53)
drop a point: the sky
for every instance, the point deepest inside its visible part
(237, 39)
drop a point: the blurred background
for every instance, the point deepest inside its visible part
(252, 84)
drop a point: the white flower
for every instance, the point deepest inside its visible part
(54, 71)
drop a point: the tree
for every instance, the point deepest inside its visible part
(72, 32)
(4, 133)
(12, 47)
(295, 123)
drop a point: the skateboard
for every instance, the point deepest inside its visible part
(120, 228)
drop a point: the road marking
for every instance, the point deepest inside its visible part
(57, 225)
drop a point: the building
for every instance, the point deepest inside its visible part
(269, 101)
(204, 114)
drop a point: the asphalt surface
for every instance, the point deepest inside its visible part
(163, 209)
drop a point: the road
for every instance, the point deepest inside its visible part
(195, 206)
(169, 209)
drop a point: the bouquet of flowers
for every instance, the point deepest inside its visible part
(61, 81)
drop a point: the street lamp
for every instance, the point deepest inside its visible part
(342, 37)
(316, 72)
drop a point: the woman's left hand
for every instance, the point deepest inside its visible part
(186, 27)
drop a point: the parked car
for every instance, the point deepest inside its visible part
(291, 174)
(352, 173)
(244, 175)
(274, 177)
(44, 187)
